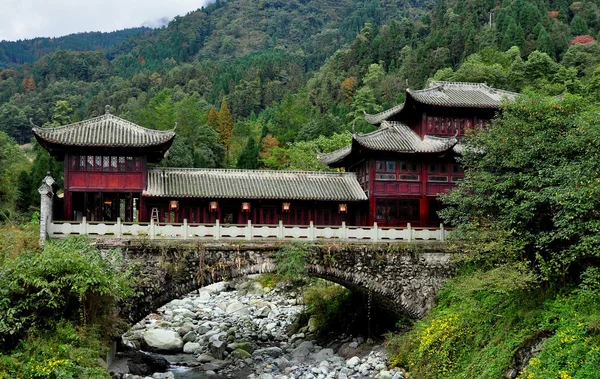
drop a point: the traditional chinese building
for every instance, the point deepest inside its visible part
(108, 175)
(393, 175)
(410, 159)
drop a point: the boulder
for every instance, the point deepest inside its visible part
(191, 347)
(241, 354)
(205, 358)
(217, 349)
(238, 308)
(352, 362)
(161, 340)
(140, 363)
(270, 351)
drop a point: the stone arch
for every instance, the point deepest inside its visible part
(404, 282)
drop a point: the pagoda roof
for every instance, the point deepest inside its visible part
(394, 137)
(253, 184)
(449, 94)
(106, 131)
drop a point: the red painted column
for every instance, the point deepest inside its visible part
(372, 210)
(423, 201)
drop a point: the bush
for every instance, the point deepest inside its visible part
(64, 352)
(327, 303)
(67, 280)
(291, 261)
(483, 318)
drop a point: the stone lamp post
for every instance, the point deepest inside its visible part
(46, 191)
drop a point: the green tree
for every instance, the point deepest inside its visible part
(225, 125)
(249, 157)
(579, 26)
(12, 161)
(533, 177)
(364, 101)
(514, 37)
(544, 43)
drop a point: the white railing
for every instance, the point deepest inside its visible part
(247, 232)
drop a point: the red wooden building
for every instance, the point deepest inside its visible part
(411, 158)
(393, 177)
(107, 176)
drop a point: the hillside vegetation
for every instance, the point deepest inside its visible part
(16, 53)
(267, 84)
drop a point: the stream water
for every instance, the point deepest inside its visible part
(240, 331)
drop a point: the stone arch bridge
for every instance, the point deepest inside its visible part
(402, 278)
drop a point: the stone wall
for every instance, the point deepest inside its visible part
(401, 278)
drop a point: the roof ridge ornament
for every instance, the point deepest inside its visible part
(107, 109)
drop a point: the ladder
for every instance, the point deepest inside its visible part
(154, 215)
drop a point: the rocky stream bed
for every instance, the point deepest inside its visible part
(239, 330)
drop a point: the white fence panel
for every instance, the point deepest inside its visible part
(62, 229)
(265, 231)
(358, 233)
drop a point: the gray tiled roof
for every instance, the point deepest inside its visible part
(475, 95)
(392, 137)
(106, 130)
(453, 94)
(253, 184)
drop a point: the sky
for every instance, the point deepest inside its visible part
(25, 19)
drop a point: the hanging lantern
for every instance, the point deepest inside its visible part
(285, 207)
(173, 205)
(108, 201)
(213, 206)
(343, 208)
(245, 207)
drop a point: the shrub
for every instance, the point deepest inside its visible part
(67, 280)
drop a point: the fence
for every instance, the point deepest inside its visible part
(247, 232)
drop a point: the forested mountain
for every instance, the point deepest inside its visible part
(266, 84)
(15, 53)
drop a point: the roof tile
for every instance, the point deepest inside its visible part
(253, 184)
(105, 130)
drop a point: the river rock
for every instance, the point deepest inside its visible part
(352, 362)
(205, 358)
(191, 347)
(161, 340)
(241, 354)
(140, 363)
(238, 308)
(270, 351)
(163, 375)
(217, 349)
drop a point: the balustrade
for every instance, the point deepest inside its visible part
(248, 232)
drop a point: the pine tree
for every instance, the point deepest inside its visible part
(23, 192)
(225, 125)
(544, 43)
(249, 157)
(212, 118)
(579, 26)
(514, 37)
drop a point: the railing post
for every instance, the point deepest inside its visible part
(249, 231)
(344, 235)
(410, 232)
(280, 231)
(152, 229)
(186, 233)
(311, 231)
(442, 233)
(217, 230)
(84, 225)
(118, 226)
(376, 232)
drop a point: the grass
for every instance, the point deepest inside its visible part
(484, 317)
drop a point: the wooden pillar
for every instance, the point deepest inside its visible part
(423, 211)
(372, 206)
